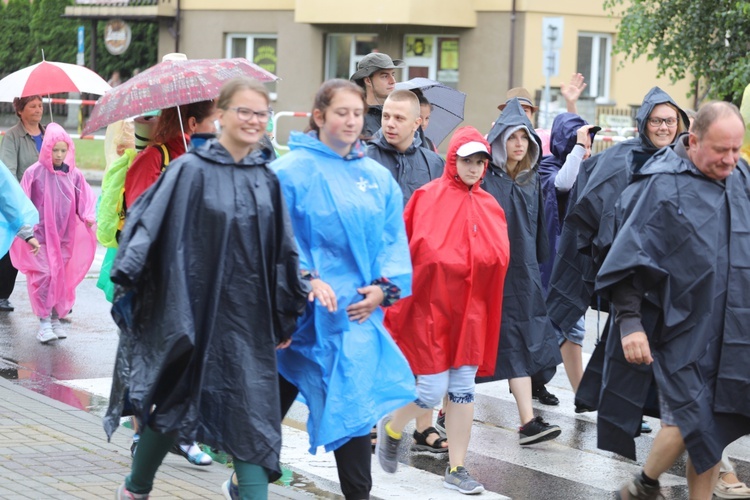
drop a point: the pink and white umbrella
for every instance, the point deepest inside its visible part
(49, 77)
(168, 84)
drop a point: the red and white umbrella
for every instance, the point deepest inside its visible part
(49, 77)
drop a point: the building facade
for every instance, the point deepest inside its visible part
(481, 47)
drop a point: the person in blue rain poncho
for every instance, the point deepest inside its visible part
(346, 212)
(17, 213)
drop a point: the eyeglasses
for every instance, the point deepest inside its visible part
(247, 114)
(656, 122)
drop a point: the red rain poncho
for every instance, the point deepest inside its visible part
(459, 247)
(65, 203)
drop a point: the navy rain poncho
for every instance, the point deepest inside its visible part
(681, 242)
(563, 138)
(528, 344)
(589, 225)
(208, 285)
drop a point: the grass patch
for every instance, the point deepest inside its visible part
(89, 154)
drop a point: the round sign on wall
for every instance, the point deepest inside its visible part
(117, 36)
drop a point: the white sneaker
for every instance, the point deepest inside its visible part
(45, 333)
(58, 329)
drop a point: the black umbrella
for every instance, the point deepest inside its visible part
(447, 106)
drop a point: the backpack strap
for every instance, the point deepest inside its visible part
(164, 157)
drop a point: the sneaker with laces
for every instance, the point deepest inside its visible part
(122, 493)
(460, 480)
(636, 489)
(440, 424)
(45, 333)
(230, 490)
(58, 328)
(5, 305)
(387, 448)
(536, 431)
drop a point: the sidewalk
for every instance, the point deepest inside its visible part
(53, 451)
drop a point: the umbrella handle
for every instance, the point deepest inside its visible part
(182, 129)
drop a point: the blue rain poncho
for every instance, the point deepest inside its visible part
(16, 209)
(347, 215)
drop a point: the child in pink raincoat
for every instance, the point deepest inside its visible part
(67, 212)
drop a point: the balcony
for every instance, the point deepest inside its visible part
(131, 10)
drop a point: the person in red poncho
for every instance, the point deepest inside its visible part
(449, 328)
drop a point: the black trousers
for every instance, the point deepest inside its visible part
(8, 275)
(353, 458)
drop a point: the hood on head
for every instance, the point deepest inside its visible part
(462, 136)
(564, 134)
(512, 117)
(53, 134)
(653, 98)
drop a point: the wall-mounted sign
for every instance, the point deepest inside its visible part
(117, 36)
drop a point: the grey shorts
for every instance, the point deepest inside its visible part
(575, 334)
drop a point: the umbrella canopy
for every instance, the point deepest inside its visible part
(49, 77)
(168, 84)
(447, 106)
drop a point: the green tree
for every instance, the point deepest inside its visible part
(16, 46)
(706, 40)
(56, 35)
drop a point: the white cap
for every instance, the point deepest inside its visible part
(472, 147)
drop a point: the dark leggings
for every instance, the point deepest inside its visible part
(154, 446)
(8, 275)
(353, 458)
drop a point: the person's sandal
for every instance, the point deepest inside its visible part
(421, 444)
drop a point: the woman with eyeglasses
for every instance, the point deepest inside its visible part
(208, 288)
(528, 344)
(347, 214)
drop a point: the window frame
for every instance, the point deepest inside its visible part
(353, 57)
(601, 95)
(250, 49)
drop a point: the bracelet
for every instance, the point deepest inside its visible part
(581, 144)
(27, 239)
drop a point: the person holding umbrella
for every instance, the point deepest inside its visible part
(18, 151)
(208, 289)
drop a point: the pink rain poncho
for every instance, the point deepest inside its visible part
(66, 207)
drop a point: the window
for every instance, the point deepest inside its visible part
(259, 49)
(594, 63)
(433, 57)
(344, 51)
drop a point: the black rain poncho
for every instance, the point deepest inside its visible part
(682, 239)
(588, 228)
(208, 284)
(412, 169)
(528, 344)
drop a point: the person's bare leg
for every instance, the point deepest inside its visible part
(666, 448)
(424, 421)
(573, 363)
(521, 389)
(458, 421)
(701, 486)
(404, 415)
